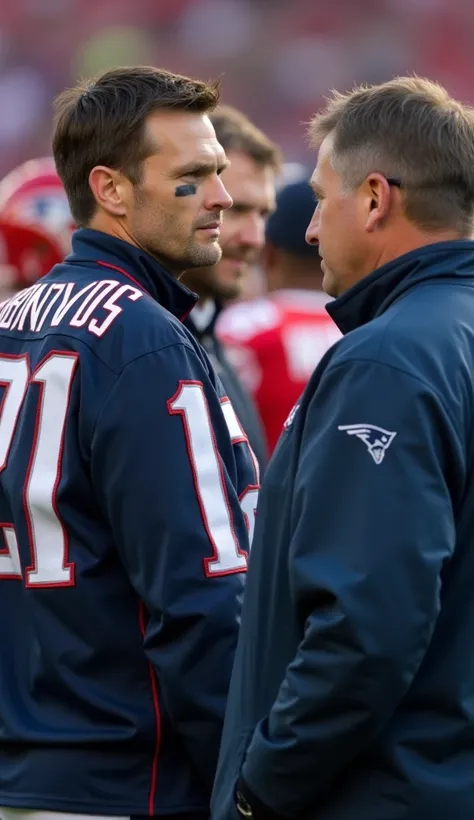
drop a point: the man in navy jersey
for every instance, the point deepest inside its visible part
(127, 488)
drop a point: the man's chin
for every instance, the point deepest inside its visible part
(328, 283)
(203, 257)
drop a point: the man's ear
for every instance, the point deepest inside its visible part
(108, 188)
(377, 193)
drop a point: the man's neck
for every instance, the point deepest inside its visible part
(410, 239)
(117, 229)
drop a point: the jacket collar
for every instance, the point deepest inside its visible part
(100, 248)
(376, 292)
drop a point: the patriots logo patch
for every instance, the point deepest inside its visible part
(376, 439)
(291, 417)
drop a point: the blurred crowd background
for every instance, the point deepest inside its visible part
(278, 58)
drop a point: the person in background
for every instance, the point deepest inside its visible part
(250, 180)
(276, 341)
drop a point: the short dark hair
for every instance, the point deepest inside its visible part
(236, 132)
(101, 122)
(411, 130)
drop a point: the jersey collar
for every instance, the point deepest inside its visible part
(91, 247)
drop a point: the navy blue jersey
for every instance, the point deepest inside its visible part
(241, 400)
(127, 494)
(352, 691)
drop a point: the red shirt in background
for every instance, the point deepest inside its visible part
(275, 343)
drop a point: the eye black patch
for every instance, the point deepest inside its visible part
(185, 190)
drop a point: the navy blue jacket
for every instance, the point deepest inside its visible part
(352, 696)
(122, 553)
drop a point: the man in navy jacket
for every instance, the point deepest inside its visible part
(127, 486)
(352, 691)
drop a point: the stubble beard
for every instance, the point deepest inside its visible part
(199, 256)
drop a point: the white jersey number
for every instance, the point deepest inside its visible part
(190, 402)
(47, 537)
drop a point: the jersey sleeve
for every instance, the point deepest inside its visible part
(158, 456)
(373, 530)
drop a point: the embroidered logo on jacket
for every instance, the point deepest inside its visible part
(291, 417)
(376, 439)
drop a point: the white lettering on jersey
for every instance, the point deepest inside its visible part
(10, 309)
(58, 289)
(113, 309)
(248, 499)
(30, 308)
(69, 301)
(17, 320)
(87, 307)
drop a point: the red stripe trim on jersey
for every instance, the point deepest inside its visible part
(156, 709)
(137, 283)
(124, 273)
(186, 314)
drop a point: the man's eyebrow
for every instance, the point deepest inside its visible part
(200, 168)
(245, 205)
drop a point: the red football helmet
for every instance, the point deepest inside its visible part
(26, 254)
(33, 195)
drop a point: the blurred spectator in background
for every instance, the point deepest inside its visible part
(254, 284)
(275, 342)
(250, 181)
(278, 59)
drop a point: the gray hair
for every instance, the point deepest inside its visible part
(411, 130)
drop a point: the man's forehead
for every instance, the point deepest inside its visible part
(185, 136)
(248, 179)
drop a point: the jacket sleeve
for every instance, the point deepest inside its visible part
(154, 462)
(372, 530)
